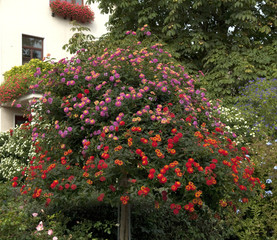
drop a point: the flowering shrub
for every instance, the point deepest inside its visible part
(21, 220)
(153, 223)
(256, 220)
(75, 12)
(14, 221)
(237, 124)
(129, 122)
(15, 148)
(19, 78)
(41, 232)
(258, 103)
(13, 88)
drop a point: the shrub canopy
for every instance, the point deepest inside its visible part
(130, 123)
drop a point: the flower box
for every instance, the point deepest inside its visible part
(65, 9)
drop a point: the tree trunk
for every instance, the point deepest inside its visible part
(124, 214)
(124, 227)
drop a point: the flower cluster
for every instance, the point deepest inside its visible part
(238, 124)
(72, 11)
(124, 199)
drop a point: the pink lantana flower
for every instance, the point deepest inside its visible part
(34, 214)
(40, 226)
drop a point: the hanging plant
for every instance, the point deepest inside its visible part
(72, 11)
(18, 79)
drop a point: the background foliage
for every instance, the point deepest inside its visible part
(257, 101)
(230, 41)
(80, 39)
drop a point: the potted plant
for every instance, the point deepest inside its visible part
(72, 11)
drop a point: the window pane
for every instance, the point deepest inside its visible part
(26, 55)
(31, 42)
(80, 2)
(37, 54)
(26, 52)
(25, 60)
(20, 120)
(31, 48)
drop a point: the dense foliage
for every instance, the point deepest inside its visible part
(79, 39)
(256, 220)
(21, 220)
(71, 219)
(258, 101)
(15, 149)
(230, 41)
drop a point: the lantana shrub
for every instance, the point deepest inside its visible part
(128, 123)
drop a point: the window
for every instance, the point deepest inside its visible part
(32, 47)
(19, 120)
(80, 2)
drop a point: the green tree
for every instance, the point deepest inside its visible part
(79, 39)
(231, 41)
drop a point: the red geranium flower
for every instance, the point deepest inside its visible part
(79, 95)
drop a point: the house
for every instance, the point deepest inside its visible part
(29, 29)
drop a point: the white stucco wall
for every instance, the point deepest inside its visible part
(7, 118)
(33, 17)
